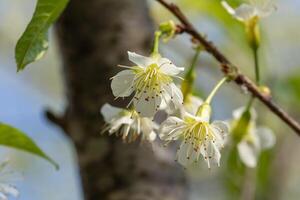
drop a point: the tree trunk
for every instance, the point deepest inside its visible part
(94, 37)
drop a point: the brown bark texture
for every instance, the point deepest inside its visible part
(94, 37)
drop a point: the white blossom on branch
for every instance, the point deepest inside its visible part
(255, 139)
(151, 81)
(127, 124)
(248, 11)
(198, 136)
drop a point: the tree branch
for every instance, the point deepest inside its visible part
(228, 68)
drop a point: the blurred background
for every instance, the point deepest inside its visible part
(25, 96)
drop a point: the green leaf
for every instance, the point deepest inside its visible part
(14, 138)
(33, 44)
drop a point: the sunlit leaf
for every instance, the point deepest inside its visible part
(33, 44)
(14, 138)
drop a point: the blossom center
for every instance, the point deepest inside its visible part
(198, 133)
(150, 79)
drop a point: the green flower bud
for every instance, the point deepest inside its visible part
(168, 30)
(241, 126)
(253, 32)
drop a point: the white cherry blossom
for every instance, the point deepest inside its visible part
(198, 135)
(6, 177)
(255, 140)
(251, 10)
(151, 81)
(128, 124)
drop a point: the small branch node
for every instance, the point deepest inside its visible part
(60, 121)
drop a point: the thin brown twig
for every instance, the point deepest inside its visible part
(60, 121)
(228, 68)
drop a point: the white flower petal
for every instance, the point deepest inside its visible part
(167, 105)
(109, 112)
(175, 93)
(167, 67)
(147, 104)
(171, 128)
(3, 196)
(221, 130)
(122, 83)
(8, 190)
(115, 125)
(245, 12)
(186, 154)
(147, 126)
(211, 153)
(248, 154)
(141, 61)
(125, 131)
(266, 137)
(152, 136)
(216, 156)
(264, 7)
(222, 126)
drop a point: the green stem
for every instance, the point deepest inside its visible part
(214, 91)
(256, 63)
(249, 105)
(189, 78)
(257, 76)
(155, 48)
(194, 62)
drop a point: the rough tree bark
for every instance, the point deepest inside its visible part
(94, 37)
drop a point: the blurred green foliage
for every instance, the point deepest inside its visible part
(14, 138)
(214, 9)
(234, 174)
(288, 89)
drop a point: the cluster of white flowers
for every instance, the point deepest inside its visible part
(150, 81)
(150, 85)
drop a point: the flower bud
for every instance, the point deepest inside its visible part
(253, 32)
(265, 90)
(241, 126)
(168, 30)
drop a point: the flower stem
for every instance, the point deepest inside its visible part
(249, 105)
(214, 91)
(257, 75)
(256, 63)
(189, 78)
(194, 62)
(155, 48)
